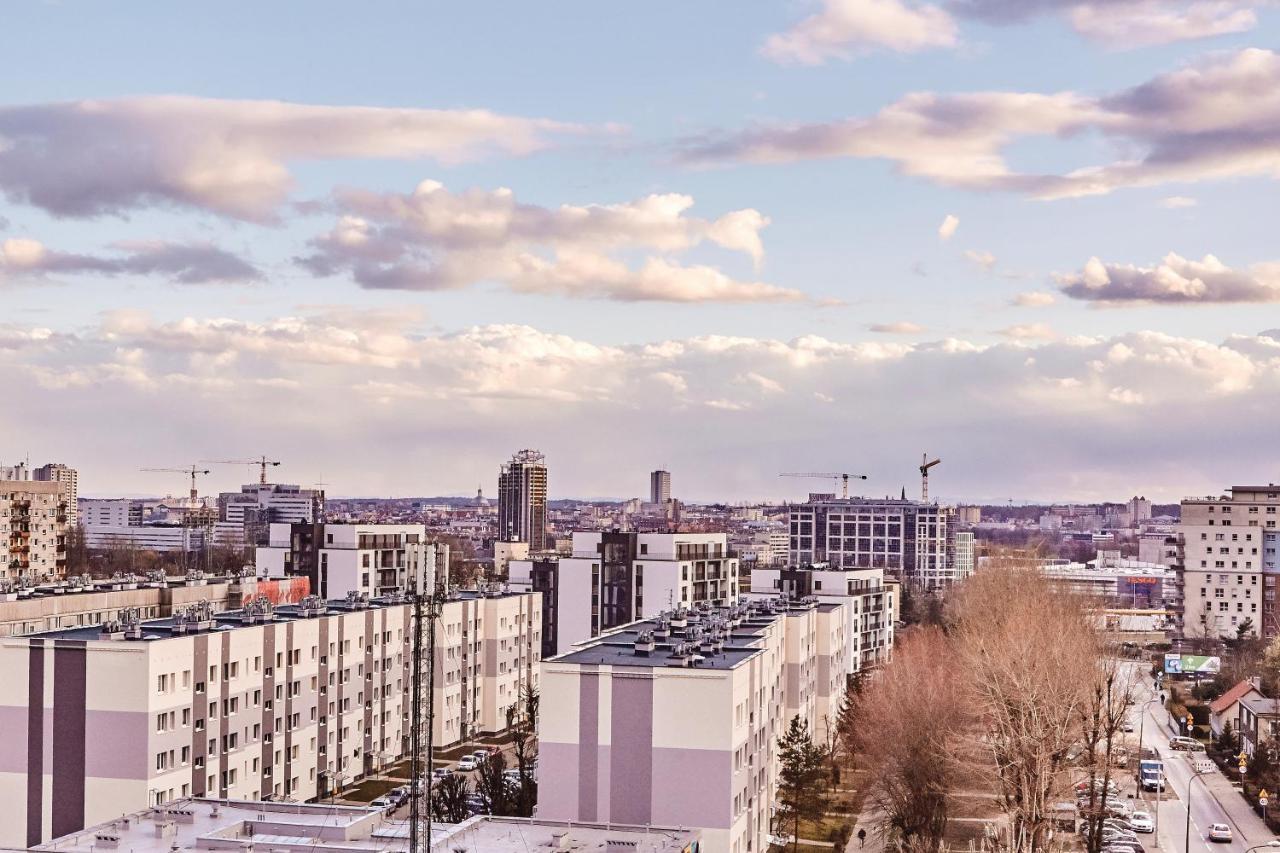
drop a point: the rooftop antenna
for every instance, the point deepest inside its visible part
(426, 610)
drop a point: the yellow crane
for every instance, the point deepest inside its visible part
(925, 465)
(837, 475)
(262, 462)
(191, 472)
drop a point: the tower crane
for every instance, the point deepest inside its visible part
(262, 462)
(843, 477)
(925, 465)
(190, 472)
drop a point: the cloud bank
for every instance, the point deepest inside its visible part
(230, 157)
(1216, 118)
(434, 411)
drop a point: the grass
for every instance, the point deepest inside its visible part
(370, 789)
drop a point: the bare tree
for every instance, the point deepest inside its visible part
(910, 722)
(1027, 650)
(1109, 698)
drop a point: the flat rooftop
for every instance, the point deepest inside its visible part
(200, 824)
(737, 644)
(230, 620)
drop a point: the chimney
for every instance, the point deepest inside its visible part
(645, 645)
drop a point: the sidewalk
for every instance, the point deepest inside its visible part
(1239, 813)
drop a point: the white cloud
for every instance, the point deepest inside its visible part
(948, 227)
(89, 158)
(1175, 280)
(983, 259)
(435, 239)
(181, 263)
(1028, 332)
(1177, 202)
(453, 403)
(842, 28)
(898, 328)
(1034, 299)
(1214, 119)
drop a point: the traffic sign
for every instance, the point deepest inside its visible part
(1262, 800)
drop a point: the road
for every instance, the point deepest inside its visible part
(1212, 798)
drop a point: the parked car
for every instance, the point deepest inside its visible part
(1141, 822)
(440, 773)
(1123, 847)
(466, 763)
(1119, 808)
(1126, 726)
(480, 755)
(383, 803)
(1188, 744)
(1220, 832)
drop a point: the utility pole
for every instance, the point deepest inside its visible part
(426, 611)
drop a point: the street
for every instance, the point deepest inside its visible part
(1213, 800)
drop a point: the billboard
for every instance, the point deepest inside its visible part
(1176, 664)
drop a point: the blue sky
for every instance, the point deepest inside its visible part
(720, 376)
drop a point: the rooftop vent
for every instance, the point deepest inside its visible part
(311, 605)
(357, 600)
(644, 644)
(259, 610)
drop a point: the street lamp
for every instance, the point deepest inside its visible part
(1187, 839)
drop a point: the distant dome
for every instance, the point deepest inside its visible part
(480, 500)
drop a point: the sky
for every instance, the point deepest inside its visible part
(392, 245)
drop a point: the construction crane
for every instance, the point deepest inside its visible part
(844, 479)
(191, 472)
(925, 465)
(262, 462)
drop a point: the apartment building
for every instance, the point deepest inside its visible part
(1225, 545)
(33, 529)
(244, 517)
(258, 703)
(367, 559)
(912, 541)
(110, 512)
(522, 500)
(56, 472)
(191, 825)
(871, 612)
(488, 648)
(614, 578)
(83, 602)
(617, 731)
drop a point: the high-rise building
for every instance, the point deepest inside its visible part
(660, 487)
(911, 540)
(522, 500)
(245, 516)
(617, 577)
(56, 472)
(33, 530)
(1226, 565)
(1139, 509)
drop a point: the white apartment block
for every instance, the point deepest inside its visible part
(110, 512)
(871, 612)
(1225, 545)
(33, 529)
(911, 540)
(676, 720)
(259, 703)
(966, 555)
(200, 825)
(366, 559)
(614, 578)
(56, 472)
